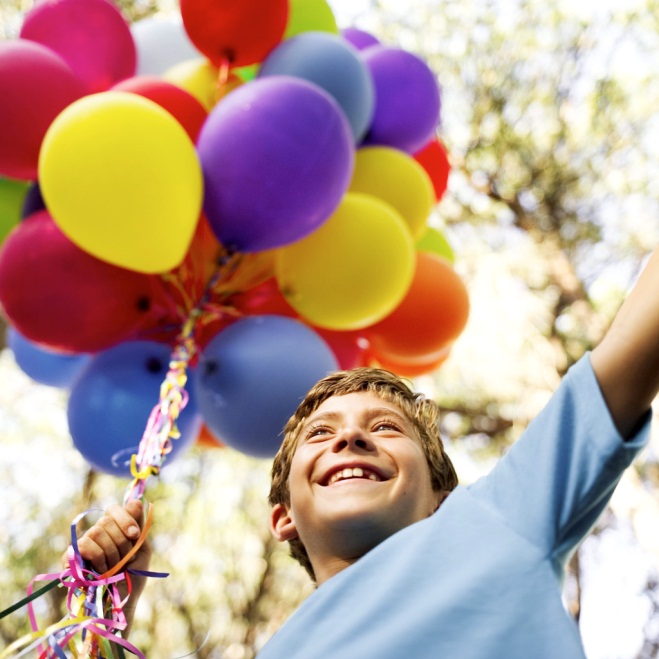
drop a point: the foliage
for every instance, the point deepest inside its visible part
(549, 117)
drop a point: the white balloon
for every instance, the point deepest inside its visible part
(161, 43)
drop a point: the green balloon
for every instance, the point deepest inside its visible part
(435, 242)
(246, 73)
(12, 196)
(308, 16)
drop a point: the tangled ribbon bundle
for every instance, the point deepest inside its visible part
(95, 607)
(95, 619)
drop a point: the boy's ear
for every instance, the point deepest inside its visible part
(282, 524)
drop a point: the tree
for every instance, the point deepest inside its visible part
(548, 115)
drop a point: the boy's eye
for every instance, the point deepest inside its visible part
(385, 425)
(318, 431)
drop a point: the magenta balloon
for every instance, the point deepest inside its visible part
(35, 86)
(277, 155)
(57, 295)
(407, 106)
(90, 35)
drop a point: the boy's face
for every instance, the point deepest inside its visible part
(359, 474)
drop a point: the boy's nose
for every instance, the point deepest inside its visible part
(352, 437)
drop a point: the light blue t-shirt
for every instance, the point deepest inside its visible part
(481, 578)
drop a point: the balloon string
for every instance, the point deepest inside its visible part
(222, 79)
(161, 428)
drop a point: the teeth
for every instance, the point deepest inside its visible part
(355, 472)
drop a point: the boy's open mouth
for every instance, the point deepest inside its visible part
(351, 473)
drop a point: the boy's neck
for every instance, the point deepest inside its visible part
(326, 569)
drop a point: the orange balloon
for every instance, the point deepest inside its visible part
(412, 370)
(207, 439)
(431, 316)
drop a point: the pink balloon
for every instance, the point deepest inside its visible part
(57, 295)
(35, 86)
(90, 35)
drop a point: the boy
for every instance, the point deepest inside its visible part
(361, 491)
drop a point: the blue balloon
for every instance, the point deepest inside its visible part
(45, 366)
(277, 155)
(252, 376)
(112, 399)
(333, 64)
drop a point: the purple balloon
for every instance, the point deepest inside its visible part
(90, 35)
(33, 202)
(407, 99)
(359, 38)
(277, 156)
(334, 65)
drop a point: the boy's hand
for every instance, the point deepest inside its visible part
(113, 536)
(110, 539)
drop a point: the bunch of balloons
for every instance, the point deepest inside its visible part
(138, 160)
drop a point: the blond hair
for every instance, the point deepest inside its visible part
(422, 412)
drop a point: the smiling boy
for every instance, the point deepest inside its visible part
(360, 490)
(361, 459)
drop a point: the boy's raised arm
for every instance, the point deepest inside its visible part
(626, 362)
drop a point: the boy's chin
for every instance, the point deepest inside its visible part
(366, 522)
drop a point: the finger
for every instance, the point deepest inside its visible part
(106, 543)
(98, 548)
(115, 534)
(127, 520)
(135, 509)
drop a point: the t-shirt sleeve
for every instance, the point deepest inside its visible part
(555, 481)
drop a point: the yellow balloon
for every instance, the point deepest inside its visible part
(201, 79)
(352, 271)
(122, 180)
(310, 15)
(395, 177)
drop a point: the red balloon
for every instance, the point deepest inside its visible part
(434, 159)
(182, 105)
(90, 35)
(57, 295)
(266, 298)
(238, 32)
(184, 288)
(348, 347)
(431, 316)
(35, 86)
